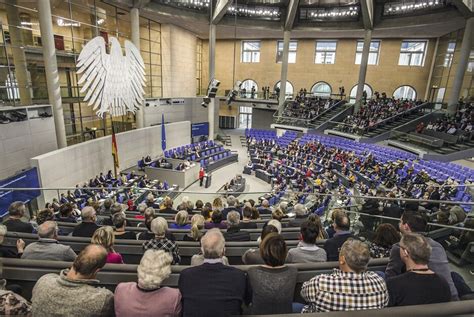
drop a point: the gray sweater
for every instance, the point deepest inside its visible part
(272, 289)
(306, 253)
(50, 250)
(438, 264)
(56, 295)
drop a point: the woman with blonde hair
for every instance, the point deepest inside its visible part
(134, 299)
(105, 237)
(197, 224)
(217, 204)
(181, 221)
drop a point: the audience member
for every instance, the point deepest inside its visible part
(414, 222)
(217, 221)
(146, 297)
(197, 225)
(301, 214)
(342, 233)
(212, 289)
(120, 223)
(272, 284)
(181, 220)
(48, 248)
(351, 287)
(141, 210)
(231, 206)
(411, 287)
(44, 215)
(73, 291)
(385, 237)
(234, 233)
(168, 206)
(16, 211)
(105, 237)
(307, 251)
(88, 226)
(116, 208)
(159, 226)
(149, 216)
(246, 222)
(10, 252)
(265, 208)
(253, 256)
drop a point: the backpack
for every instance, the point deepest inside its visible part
(13, 304)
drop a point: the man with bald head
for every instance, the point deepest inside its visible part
(48, 247)
(212, 288)
(73, 291)
(88, 226)
(342, 227)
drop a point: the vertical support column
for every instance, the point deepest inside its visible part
(51, 70)
(211, 116)
(284, 71)
(462, 65)
(363, 68)
(432, 67)
(19, 58)
(135, 30)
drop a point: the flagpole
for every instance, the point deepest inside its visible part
(113, 155)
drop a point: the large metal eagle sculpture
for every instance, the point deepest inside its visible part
(114, 82)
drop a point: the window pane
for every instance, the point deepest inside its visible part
(330, 58)
(293, 45)
(326, 46)
(292, 57)
(280, 46)
(246, 57)
(251, 46)
(360, 46)
(405, 92)
(416, 59)
(374, 46)
(321, 89)
(451, 47)
(373, 58)
(255, 57)
(319, 58)
(358, 58)
(404, 59)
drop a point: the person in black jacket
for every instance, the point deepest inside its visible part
(212, 288)
(16, 211)
(10, 252)
(234, 233)
(342, 226)
(88, 225)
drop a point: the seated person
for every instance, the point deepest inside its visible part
(48, 247)
(233, 232)
(147, 297)
(65, 213)
(351, 287)
(16, 211)
(197, 225)
(418, 285)
(253, 256)
(385, 237)
(181, 220)
(246, 222)
(120, 223)
(212, 288)
(167, 206)
(301, 214)
(88, 226)
(104, 236)
(307, 251)
(273, 284)
(159, 226)
(342, 233)
(216, 221)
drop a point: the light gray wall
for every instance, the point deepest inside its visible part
(19, 141)
(78, 163)
(191, 110)
(262, 119)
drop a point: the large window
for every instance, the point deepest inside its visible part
(373, 52)
(412, 53)
(321, 89)
(245, 117)
(405, 92)
(291, 53)
(448, 59)
(289, 89)
(325, 52)
(250, 52)
(246, 89)
(353, 94)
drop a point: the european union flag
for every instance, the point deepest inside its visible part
(163, 132)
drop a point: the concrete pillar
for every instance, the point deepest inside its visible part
(211, 108)
(135, 30)
(462, 65)
(363, 68)
(51, 69)
(284, 70)
(432, 67)
(19, 58)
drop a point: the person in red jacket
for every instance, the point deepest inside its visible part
(201, 176)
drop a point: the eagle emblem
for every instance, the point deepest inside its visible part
(113, 82)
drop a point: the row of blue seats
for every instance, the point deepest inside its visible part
(205, 162)
(180, 149)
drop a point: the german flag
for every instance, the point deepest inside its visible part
(114, 149)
